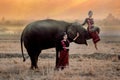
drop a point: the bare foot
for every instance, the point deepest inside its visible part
(96, 46)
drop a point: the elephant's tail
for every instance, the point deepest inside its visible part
(22, 48)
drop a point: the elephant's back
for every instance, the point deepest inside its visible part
(43, 30)
(47, 24)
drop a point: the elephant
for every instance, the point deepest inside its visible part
(44, 34)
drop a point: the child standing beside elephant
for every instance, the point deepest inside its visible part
(64, 52)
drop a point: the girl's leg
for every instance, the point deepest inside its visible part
(96, 46)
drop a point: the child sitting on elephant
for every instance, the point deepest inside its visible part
(91, 28)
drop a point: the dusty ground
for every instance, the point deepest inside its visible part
(86, 63)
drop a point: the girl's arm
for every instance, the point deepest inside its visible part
(84, 22)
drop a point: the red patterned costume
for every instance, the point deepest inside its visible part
(90, 29)
(63, 55)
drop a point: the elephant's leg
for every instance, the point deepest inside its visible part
(34, 58)
(57, 56)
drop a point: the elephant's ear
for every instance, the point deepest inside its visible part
(97, 29)
(94, 29)
(72, 32)
(82, 35)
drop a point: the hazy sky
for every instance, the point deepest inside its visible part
(58, 9)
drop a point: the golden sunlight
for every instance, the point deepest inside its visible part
(39, 9)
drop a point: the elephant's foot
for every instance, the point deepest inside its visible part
(118, 57)
(34, 67)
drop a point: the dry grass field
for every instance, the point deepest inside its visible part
(86, 63)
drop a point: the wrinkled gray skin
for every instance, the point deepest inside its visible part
(44, 34)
